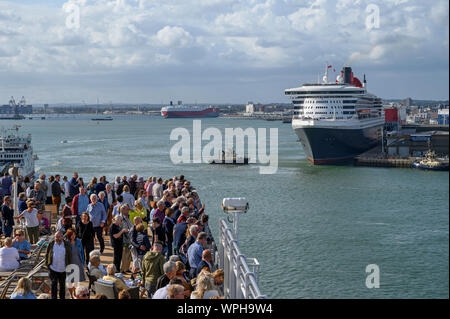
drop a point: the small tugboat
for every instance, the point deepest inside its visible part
(430, 162)
(287, 119)
(236, 160)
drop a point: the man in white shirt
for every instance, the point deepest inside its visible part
(57, 258)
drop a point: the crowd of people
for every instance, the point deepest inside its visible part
(158, 230)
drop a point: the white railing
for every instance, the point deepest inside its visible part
(241, 273)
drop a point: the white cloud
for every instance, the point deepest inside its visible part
(173, 37)
(214, 37)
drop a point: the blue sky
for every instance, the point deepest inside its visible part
(217, 51)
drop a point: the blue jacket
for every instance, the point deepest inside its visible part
(201, 265)
(5, 185)
(80, 250)
(97, 214)
(105, 203)
(195, 254)
(17, 295)
(22, 205)
(73, 187)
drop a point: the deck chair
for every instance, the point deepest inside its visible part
(107, 288)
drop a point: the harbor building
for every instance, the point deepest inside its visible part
(250, 108)
(418, 144)
(443, 117)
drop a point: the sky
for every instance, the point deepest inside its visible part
(218, 51)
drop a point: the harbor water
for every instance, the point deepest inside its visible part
(314, 229)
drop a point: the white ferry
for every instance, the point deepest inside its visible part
(16, 149)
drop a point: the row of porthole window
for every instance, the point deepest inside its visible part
(326, 101)
(11, 156)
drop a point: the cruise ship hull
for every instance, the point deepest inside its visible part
(336, 145)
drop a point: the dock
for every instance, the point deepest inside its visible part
(375, 158)
(371, 158)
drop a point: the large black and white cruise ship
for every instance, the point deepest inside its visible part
(336, 121)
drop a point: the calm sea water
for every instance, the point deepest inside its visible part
(314, 229)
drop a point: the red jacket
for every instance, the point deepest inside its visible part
(75, 204)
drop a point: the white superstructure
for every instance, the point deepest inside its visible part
(16, 149)
(329, 117)
(341, 103)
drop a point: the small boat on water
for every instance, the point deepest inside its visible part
(430, 162)
(236, 160)
(107, 118)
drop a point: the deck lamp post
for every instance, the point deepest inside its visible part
(233, 207)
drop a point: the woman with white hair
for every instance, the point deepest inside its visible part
(100, 266)
(116, 233)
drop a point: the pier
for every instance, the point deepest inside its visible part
(374, 158)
